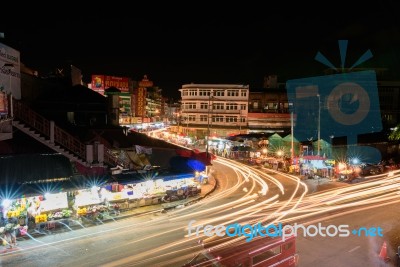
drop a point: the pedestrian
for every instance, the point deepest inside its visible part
(10, 231)
(116, 209)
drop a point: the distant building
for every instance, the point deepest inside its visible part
(214, 109)
(269, 107)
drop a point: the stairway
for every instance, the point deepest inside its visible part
(32, 133)
(49, 134)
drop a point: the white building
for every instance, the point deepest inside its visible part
(217, 109)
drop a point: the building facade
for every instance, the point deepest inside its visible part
(214, 109)
(154, 103)
(269, 109)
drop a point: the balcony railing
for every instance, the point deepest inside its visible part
(215, 111)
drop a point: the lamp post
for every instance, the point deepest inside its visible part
(319, 123)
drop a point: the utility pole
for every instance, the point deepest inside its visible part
(208, 124)
(319, 123)
(240, 119)
(291, 133)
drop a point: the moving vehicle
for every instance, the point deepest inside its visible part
(260, 252)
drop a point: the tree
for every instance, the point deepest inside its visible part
(395, 134)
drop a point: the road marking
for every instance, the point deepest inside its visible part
(354, 249)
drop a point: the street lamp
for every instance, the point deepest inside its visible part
(319, 122)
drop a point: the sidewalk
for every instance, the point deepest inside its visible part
(66, 224)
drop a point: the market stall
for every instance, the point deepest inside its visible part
(54, 206)
(38, 212)
(89, 204)
(15, 208)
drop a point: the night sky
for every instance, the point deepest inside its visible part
(203, 43)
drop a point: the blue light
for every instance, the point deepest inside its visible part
(196, 165)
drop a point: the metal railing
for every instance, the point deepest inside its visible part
(61, 137)
(42, 125)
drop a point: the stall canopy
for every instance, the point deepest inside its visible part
(325, 148)
(21, 169)
(203, 157)
(138, 160)
(287, 143)
(275, 141)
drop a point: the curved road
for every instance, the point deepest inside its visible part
(245, 195)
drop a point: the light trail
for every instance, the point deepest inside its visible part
(272, 204)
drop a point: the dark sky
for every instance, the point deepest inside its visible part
(203, 43)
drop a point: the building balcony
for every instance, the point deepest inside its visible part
(216, 98)
(212, 124)
(215, 111)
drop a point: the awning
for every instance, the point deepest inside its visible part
(20, 169)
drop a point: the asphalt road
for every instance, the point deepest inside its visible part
(244, 195)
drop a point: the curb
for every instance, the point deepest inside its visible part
(206, 194)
